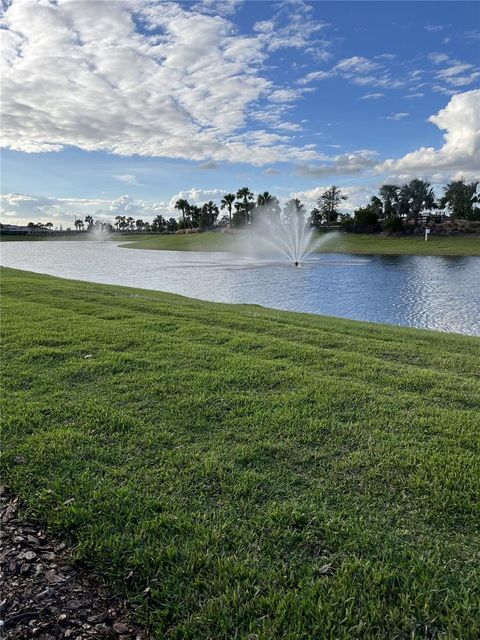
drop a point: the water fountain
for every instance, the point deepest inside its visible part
(101, 231)
(290, 239)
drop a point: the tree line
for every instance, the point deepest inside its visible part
(389, 209)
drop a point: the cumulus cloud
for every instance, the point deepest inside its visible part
(460, 153)
(81, 73)
(21, 208)
(196, 196)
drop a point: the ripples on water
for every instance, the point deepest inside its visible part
(432, 292)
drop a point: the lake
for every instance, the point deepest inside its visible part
(430, 292)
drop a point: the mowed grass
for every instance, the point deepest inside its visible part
(338, 242)
(240, 472)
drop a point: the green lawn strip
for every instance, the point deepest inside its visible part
(341, 243)
(467, 245)
(259, 471)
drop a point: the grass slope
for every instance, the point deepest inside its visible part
(343, 243)
(261, 472)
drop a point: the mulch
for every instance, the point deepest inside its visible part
(45, 594)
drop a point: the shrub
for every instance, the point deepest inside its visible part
(392, 225)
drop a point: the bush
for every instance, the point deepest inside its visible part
(392, 225)
(366, 216)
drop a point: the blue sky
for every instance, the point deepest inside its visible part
(125, 105)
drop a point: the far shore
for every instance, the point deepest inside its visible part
(466, 245)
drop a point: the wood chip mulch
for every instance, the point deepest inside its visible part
(46, 596)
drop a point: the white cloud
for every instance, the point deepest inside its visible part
(344, 164)
(358, 195)
(357, 65)
(196, 196)
(316, 75)
(285, 95)
(360, 71)
(293, 26)
(23, 208)
(372, 96)
(433, 27)
(211, 164)
(454, 70)
(438, 58)
(398, 116)
(460, 153)
(81, 74)
(219, 7)
(129, 178)
(415, 95)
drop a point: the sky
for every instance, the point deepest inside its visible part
(120, 107)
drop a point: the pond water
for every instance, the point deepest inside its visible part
(430, 292)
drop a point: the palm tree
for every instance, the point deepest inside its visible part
(226, 203)
(389, 195)
(89, 221)
(268, 203)
(419, 195)
(78, 224)
(246, 196)
(184, 208)
(293, 207)
(209, 214)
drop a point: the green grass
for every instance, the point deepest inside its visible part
(342, 243)
(260, 472)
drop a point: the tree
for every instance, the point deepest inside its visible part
(460, 199)
(292, 208)
(419, 196)
(89, 221)
(389, 195)
(195, 215)
(246, 197)
(226, 203)
(184, 207)
(159, 223)
(209, 215)
(268, 204)
(172, 225)
(140, 224)
(78, 224)
(327, 206)
(368, 215)
(49, 225)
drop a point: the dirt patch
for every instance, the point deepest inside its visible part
(45, 595)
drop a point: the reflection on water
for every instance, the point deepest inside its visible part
(431, 292)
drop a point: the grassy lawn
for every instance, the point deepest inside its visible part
(264, 474)
(342, 243)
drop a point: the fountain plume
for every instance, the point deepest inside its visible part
(101, 231)
(288, 239)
